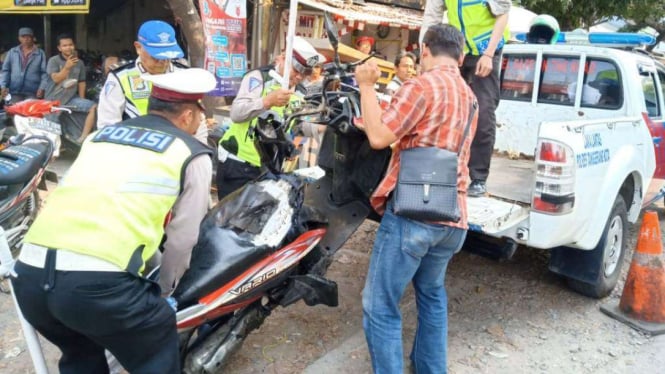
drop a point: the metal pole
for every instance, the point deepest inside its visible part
(290, 32)
(255, 36)
(31, 338)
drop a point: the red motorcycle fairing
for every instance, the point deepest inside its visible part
(32, 108)
(214, 305)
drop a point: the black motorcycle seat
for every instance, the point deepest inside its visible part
(19, 163)
(225, 248)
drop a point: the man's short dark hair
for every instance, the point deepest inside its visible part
(442, 39)
(403, 54)
(166, 106)
(64, 36)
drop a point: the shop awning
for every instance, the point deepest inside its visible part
(44, 6)
(357, 16)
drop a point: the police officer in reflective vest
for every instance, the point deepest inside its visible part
(136, 187)
(485, 28)
(125, 93)
(239, 161)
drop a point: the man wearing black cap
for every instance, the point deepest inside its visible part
(79, 277)
(239, 161)
(23, 72)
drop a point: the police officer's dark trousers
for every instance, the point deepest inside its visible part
(84, 312)
(487, 92)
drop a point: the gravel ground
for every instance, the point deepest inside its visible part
(504, 317)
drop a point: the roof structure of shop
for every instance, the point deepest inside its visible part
(357, 16)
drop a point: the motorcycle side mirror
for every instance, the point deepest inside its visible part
(331, 30)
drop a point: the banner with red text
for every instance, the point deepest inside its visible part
(225, 30)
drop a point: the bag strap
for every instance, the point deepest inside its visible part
(472, 112)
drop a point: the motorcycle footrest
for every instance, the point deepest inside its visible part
(312, 289)
(51, 176)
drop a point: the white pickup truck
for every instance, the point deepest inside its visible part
(580, 150)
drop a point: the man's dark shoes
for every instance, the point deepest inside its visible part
(477, 188)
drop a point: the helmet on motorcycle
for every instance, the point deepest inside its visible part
(544, 29)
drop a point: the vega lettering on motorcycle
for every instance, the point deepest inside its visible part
(142, 138)
(253, 283)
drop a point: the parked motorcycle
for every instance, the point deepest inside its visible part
(64, 126)
(271, 242)
(30, 146)
(23, 162)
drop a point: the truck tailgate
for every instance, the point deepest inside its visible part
(509, 188)
(493, 216)
(511, 179)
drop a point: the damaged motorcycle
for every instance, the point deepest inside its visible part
(271, 242)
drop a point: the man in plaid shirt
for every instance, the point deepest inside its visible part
(431, 110)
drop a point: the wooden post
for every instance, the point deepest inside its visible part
(48, 48)
(81, 32)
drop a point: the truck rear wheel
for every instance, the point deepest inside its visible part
(595, 273)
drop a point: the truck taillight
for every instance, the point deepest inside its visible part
(552, 151)
(554, 190)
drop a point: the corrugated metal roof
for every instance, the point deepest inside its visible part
(369, 13)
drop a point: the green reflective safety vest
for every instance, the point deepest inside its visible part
(136, 91)
(118, 213)
(476, 21)
(241, 134)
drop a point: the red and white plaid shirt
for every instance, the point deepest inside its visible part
(430, 111)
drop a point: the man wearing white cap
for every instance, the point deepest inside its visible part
(239, 161)
(125, 93)
(80, 269)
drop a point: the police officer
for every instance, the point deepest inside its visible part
(239, 161)
(125, 93)
(485, 28)
(79, 277)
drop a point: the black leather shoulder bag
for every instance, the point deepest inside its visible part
(427, 182)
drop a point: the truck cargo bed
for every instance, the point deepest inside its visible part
(511, 179)
(509, 196)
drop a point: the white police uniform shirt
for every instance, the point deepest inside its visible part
(112, 103)
(248, 103)
(182, 232)
(112, 100)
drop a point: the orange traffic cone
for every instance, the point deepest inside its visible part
(642, 304)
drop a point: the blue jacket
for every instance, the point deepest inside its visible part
(24, 82)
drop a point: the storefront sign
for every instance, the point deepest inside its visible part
(225, 30)
(44, 6)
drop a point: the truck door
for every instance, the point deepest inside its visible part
(652, 88)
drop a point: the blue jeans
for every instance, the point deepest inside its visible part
(79, 104)
(406, 250)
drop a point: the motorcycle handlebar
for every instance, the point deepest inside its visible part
(61, 109)
(345, 68)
